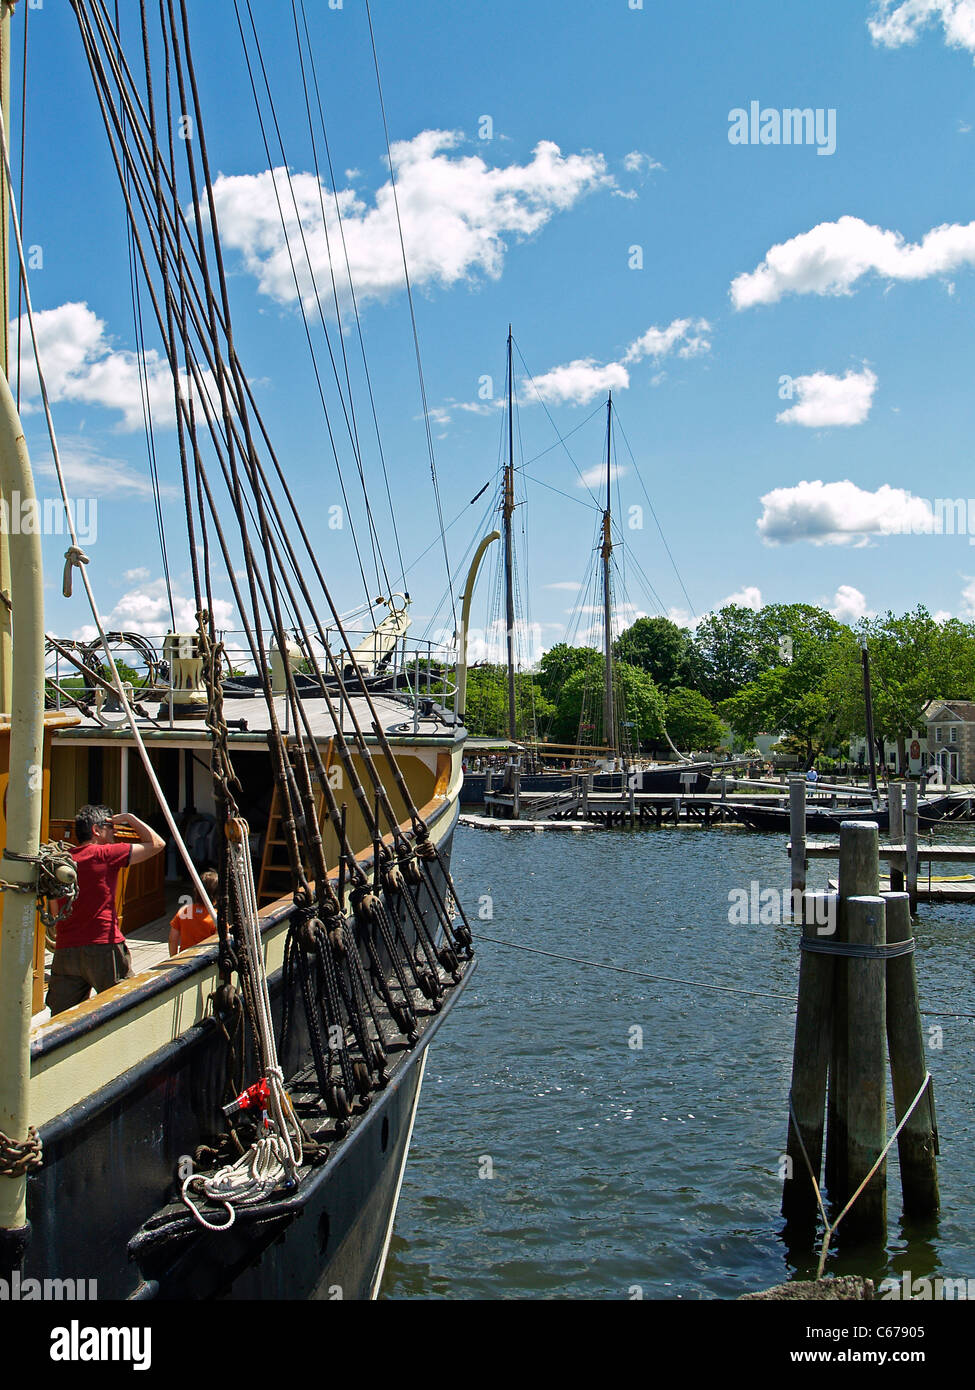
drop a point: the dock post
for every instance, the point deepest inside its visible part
(896, 805)
(585, 796)
(859, 876)
(797, 835)
(632, 803)
(810, 1064)
(867, 1081)
(515, 793)
(918, 1141)
(910, 843)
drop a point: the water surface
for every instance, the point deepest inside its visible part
(622, 1171)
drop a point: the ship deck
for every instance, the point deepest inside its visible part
(148, 945)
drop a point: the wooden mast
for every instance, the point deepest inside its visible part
(507, 511)
(609, 721)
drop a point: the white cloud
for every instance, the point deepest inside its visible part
(570, 585)
(968, 599)
(840, 513)
(577, 383)
(88, 473)
(849, 605)
(490, 643)
(596, 475)
(748, 597)
(458, 215)
(831, 257)
(81, 365)
(831, 400)
(624, 616)
(690, 334)
(899, 22)
(581, 381)
(136, 576)
(145, 609)
(636, 162)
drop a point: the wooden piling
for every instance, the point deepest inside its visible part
(917, 1141)
(797, 834)
(810, 1063)
(910, 843)
(866, 1077)
(516, 793)
(896, 805)
(859, 876)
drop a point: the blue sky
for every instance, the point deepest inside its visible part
(609, 131)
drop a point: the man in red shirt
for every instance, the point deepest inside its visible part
(90, 953)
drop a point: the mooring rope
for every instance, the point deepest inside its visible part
(831, 1229)
(673, 980)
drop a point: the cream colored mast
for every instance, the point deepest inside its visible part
(17, 909)
(6, 654)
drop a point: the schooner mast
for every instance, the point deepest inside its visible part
(507, 511)
(609, 722)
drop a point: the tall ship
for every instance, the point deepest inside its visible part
(605, 746)
(232, 1119)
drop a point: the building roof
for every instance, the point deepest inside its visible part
(952, 710)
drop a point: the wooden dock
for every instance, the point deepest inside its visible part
(612, 808)
(904, 854)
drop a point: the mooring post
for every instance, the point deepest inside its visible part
(515, 792)
(810, 1062)
(632, 802)
(917, 1142)
(896, 805)
(910, 843)
(797, 835)
(866, 1077)
(859, 876)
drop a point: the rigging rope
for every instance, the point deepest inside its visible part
(409, 295)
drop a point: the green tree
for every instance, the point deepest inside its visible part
(691, 720)
(583, 697)
(807, 697)
(487, 704)
(660, 648)
(724, 655)
(561, 662)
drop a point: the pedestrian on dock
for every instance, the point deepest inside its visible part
(90, 951)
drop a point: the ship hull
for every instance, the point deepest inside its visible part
(102, 1206)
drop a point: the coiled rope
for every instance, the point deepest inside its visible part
(277, 1155)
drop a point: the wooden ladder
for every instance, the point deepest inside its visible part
(276, 879)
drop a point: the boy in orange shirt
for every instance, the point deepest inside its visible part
(192, 923)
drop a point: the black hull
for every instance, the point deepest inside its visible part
(821, 821)
(105, 1207)
(674, 781)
